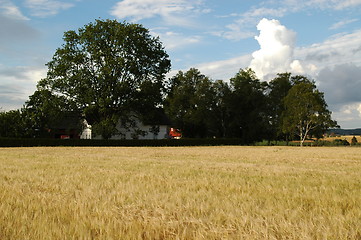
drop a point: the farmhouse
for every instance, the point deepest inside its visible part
(156, 127)
(73, 125)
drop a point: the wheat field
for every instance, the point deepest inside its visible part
(227, 192)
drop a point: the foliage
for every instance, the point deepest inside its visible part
(190, 102)
(113, 73)
(278, 89)
(37, 142)
(305, 110)
(108, 69)
(354, 141)
(11, 124)
(43, 110)
(247, 106)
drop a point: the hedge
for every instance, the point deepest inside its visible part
(37, 142)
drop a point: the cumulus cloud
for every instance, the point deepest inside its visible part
(240, 27)
(45, 8)
(276, 53)
(172, 11)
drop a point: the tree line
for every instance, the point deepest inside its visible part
(108, 71)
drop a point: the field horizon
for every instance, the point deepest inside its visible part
(226, 192)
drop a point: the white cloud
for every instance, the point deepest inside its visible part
(278, 52)
(236, 32)
(240, 28)
(276, 49)
(263, 11)
(45, 8)
(226, 69)
(17, 84)
(10, 10)
(339, 49)
(297, 5)
(341, 4)
(342, 23)
(174, 40)
(219, 70)
(173, 12)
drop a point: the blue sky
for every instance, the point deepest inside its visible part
(317, 38)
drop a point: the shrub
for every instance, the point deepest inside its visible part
(354, 141)
(34, 142)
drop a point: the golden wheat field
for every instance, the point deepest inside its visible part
(180, 193)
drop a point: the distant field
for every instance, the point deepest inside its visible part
(348, 138)
(180, 193)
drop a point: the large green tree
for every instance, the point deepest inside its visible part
(305, 110)
(190, 102)
(247, 106)
(107, 70)
(12, 124)
(43, 110)
(277, 90)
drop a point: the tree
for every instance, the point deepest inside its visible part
(11, 124)
(354, 141)
(278, 90)
(305, 110)
(189, 103)
(44, 109)
(247, 106)
(221, 116)
(107, 70)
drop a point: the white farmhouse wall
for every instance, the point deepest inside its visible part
(131, 133)
(147, 129)
(87, 131)
(86, 134)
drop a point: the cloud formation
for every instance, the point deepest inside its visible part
(45, 8)
(338, 49)
(240, 28)
(342, 23)
(173, 12)
(342, 83)
(226, 69)
(275, 55)
(17, 83)
(175, 40)
(10, 10)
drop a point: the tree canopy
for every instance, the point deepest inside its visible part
(306, 110)
(108, 69)
(108, 72)
(190, 101)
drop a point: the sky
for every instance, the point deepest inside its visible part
(317, 38)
